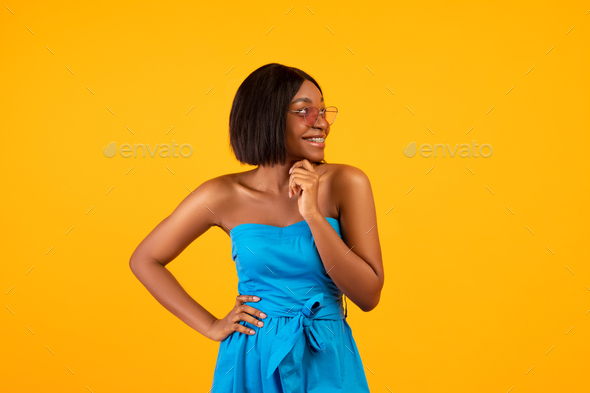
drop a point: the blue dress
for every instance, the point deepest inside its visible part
(305, 345)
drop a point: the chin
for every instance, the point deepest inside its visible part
(315, 159)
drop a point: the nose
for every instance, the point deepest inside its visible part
(321, 122)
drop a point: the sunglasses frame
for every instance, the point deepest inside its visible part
(322, 113)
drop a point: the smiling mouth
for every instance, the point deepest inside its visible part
(314, 140)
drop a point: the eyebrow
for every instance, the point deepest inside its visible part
(305, 99)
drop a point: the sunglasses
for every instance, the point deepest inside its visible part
(311, 114)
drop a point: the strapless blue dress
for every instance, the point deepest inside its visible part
(305, 345)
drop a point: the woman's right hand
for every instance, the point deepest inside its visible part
(220, 329)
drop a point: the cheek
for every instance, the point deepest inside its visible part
(293, 142)
(294, 135)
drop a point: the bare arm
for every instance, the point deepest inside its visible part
(164, 243)
(354, 262)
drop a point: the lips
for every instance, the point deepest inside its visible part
(315, 142)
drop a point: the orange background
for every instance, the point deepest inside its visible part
(486, 259)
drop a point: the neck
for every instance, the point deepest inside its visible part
(274, 179)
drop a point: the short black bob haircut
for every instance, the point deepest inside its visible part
(258, 117)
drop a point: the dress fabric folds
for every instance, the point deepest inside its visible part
(306, 344)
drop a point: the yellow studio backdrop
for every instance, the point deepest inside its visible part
(485, 250)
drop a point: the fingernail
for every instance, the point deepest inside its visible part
(263, 315)
(256, 298)
(290, 170)
(260, 323)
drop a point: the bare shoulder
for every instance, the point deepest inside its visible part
(348, 184)
(213, 196)
(346, 176)
(195, 214)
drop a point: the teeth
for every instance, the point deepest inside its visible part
(319, 140)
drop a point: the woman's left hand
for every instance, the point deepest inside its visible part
(305, 182)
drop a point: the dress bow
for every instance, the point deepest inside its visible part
(285, 340)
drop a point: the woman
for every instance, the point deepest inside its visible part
(303, 233)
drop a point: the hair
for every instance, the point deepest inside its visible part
(258, 116)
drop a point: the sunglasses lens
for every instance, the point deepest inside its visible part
(330, 114)
(312, 113)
